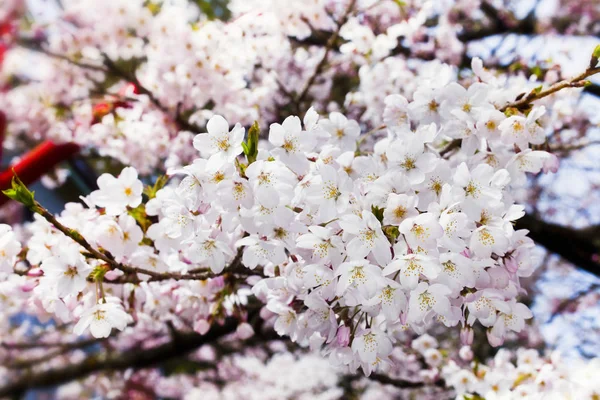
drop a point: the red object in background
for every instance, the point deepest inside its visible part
(3, 124)
(38, 162)
(7, 33)
(3, 49)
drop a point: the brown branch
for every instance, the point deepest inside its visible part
(131, 77)
(566, 304)
(37, 344)
(579, 247)
(328, 47)
(236, 263)
(403, 383)
(564, 149)
(575, 82)
(499, 25)
(181, 344)
(453, 145)
(35, 46)
(110, 67)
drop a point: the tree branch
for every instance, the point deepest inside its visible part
(131, 77)
(579, 247)
(132, 272)
(575, 82)
(402, 383)
(328, 47)
(181, 344)
(110, 67)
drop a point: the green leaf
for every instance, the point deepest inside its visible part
(537, 71)
(245, 148)
(251, 145)
(510, 111)
(241, 167)
(537, 89)
(596, 52)
(400, 3)
(19, 192)
(378, 212)
(98, 273)
(391, 232)
(595, 57)
(150, 191)
(154, 7)
(140, 216)
(472, 397)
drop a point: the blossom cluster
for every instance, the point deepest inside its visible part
(525, 374)
(356, 242)
(520, 373)
(145, 118)
(353, 178)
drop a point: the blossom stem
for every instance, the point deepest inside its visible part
(575, 82)
(364, 137)
(110, 260)
(523, 102)
(328, 47)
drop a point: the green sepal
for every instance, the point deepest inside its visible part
(19, 192)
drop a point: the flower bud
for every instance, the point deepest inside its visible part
(244, 331)
(551, 164)
(113, 274)
(35, 272)
(201, 326)
(494, 341)
(465, 353)
(466, 335)
(343, 336)
(29, 285)
(217, 282)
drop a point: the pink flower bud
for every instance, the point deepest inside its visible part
(465, 353)
(343, 336)
(265, 313)
(466, 253)
(201, 326)
(35, 272)
(244, 331)
(29, 285)
(551, 164)
(494, 341)
(217, 282)
(113, 274)
(467, 335)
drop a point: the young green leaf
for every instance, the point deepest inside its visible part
(19, 192)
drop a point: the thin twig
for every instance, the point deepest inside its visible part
(328, 47)
(110, 260)
(575, 82)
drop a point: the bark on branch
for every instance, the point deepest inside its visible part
(579, 247)
(181, 344)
